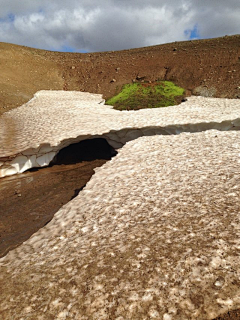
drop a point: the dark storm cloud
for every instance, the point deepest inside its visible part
(114, 24)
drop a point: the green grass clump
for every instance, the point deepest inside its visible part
(147, 95)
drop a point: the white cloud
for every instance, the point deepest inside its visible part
(113, 24)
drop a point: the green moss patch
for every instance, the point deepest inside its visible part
(147, 95)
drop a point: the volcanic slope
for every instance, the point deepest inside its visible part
(204, 67)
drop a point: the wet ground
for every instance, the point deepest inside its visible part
(28, 201)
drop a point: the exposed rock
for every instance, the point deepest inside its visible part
(140, 78)
(204, 91)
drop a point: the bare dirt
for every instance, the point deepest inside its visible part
(28, 201)
(204, 67)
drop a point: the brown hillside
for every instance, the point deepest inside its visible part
(206, 67)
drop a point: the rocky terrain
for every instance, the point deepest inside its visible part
(205, 67)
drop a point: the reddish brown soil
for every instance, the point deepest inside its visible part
(29, 200)
(206, 67)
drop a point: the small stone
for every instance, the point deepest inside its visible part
(140, 77)
(113, 80)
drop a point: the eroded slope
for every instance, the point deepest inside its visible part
(209, 67)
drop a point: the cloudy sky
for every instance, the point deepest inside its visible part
(95, 25)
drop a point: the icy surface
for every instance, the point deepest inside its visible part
(155, 234)
(55, 119)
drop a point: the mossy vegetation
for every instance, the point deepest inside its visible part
(147, 95)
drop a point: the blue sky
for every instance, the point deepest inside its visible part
(193, 34)
(66, 48)
(87, 26)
